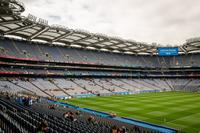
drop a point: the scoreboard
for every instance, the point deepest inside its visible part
(167, 51)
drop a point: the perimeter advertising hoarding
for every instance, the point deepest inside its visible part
(167, 51)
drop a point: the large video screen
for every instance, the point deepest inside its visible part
(167, 51)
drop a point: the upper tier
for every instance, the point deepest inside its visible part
(31, 50)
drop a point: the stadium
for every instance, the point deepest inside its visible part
(59, 80)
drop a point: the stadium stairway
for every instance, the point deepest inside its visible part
(82, 87)
(60, 88)
(125, 82)
(115, 84)
(21, 87)
(40, 89)
(102, 86)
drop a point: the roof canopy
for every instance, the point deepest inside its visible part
(32, 28)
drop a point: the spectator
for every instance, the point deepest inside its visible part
(69, 115)
(30, 102)
(124, 129)
(26, 101)
(137, 129)
(118, 130)
(91, 119)
(51, 107)
(43, 127)
(112, 115)
(114, 129)
(77, 113)
(65, 114)
(7, 97)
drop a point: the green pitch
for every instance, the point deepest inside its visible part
(178, 110)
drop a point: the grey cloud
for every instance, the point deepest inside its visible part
(162, 21)
(54, 17)
(86, 7)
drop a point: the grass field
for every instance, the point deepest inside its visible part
(179, 109)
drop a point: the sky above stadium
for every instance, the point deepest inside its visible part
(162, 21)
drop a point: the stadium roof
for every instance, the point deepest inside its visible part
(33, 28)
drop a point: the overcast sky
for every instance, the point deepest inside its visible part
(161, 21)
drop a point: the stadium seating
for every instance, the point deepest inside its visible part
(17, 118)
(61, 87)
(21, 49)
(46, 52)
